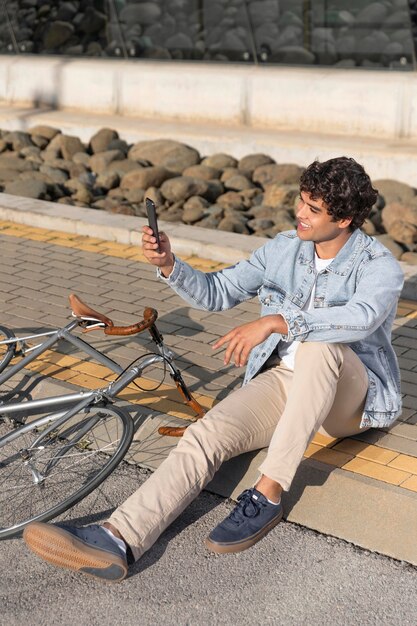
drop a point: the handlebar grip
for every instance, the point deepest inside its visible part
(149, 318)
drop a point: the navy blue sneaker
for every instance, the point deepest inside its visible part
(90, 550)
(251, 519)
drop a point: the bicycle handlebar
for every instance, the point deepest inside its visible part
(82, 310)
(149, 318)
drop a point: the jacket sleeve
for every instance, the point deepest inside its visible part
(371, 304)
(224, 289)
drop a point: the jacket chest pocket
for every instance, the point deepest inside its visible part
(271, 296)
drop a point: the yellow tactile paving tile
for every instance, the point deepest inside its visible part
(366, 451)
(410, 483)
(376, 470)
(405, 462)
(327, 455)
(322, 440)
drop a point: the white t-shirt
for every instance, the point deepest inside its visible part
(287, 349)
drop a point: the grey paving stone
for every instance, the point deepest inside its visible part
(31, 266)
(211, 363)
(407, 431)
(388, 441)
(409, 354)
(409, 389)
(410, 402)
(406, 366)
(409, 376)
(407, 342)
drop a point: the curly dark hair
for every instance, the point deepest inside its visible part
(344, 186)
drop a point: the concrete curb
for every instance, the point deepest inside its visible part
(187, 240)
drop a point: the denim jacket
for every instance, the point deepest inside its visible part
(355, 303)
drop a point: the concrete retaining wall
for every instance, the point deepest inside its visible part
(344, 102)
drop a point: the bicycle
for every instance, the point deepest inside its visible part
(49, 463)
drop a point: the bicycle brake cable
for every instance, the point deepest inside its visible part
(138, 359)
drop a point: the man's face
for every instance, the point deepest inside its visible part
(314, 223)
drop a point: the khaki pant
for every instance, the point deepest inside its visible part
(280, 408)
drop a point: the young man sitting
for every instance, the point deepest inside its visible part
(319, 359)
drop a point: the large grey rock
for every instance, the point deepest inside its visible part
(108, 180)
(260, 224)
(144, 13)
(248, 164)
(231, 200)
(233, 225)
(238, 183)
(28, 188)
(263, 11)
(393, 190)
(145, 177)
(294, 54)
(205, 172)
(55, 174)
(99, 162)
(404, 232)
(18, 140)
(93, 21)
(373, 14)
(57, 33)
(181, 188)
(284, 174)
(396, 250)
(219, 161)
(70, 145)
(193, 214)
(14, 163)
(31, 153)
(101, 140)
(41, 130)
(7, 175)
(172, 155)
(405, 211)
(196, 202)
(409, 257)
(278, 194)
(123, 167)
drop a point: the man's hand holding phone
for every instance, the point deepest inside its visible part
(156, 245)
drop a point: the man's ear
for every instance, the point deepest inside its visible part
(345, 223)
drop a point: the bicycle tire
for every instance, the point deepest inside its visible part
(7, 351)
(39, 484)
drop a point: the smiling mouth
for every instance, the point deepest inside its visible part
(303, 224)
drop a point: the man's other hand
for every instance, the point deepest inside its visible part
(242, 339)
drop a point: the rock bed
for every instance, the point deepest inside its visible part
(371, 34)
(253, 195)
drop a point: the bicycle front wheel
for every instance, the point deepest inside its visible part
(42, 476)
(7, 350)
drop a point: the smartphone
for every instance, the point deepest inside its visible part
(152, 221)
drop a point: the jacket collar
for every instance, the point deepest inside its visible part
(345, 258)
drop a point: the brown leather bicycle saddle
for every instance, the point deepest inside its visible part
(80, 309)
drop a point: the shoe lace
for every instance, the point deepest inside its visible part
(246, 507)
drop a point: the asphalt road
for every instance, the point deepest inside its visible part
(293, 576)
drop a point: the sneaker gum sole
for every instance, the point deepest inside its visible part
(60, 548)
(224, 548)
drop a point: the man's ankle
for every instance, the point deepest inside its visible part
(118, 535)
(114, 531)
(269, 488)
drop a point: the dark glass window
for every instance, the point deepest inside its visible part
(339, 33)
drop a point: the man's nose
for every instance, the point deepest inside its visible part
(301, 209)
